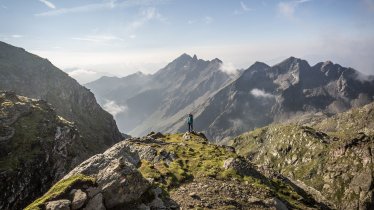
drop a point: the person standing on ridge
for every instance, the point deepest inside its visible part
(190, 122)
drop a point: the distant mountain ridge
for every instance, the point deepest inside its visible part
(224, 106)
(169, 94)
(264, 94)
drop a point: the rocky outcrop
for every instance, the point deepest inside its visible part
(332, 159)
(37, 144)
(37, 148)
(168, 172)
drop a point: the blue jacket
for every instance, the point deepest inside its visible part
(190, 119)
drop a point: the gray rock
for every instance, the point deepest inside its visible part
(92, 191)
(157, 203)
(253, 199)
(79, 199)
(143, 207)
(187, 136)
(275, 202)
(96, 203)
(116, 174)
(58, 205)
(228, 163)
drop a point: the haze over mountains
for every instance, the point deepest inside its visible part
(224, 105)
(59, 125)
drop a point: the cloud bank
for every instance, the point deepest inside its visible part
(105, 5)
(48, 4)
(288, 8)
(229, 68)
(83, 76)
(113, 108)
(261, 93)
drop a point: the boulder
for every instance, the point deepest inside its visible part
(96, 203)
(116, 175)
(79, 199)
(58, 205)
(187, 136)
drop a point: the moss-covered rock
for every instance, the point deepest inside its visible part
(60, 188)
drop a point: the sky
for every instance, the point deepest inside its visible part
(92, 38)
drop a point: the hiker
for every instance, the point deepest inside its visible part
(190, 122)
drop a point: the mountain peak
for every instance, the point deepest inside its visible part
(259, 64)
(291, 61)
(184, 56)
(216, 60)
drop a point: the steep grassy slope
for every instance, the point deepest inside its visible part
(333, 156)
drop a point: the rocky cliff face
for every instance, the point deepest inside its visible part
(34, 77)
(290, 89)
(37, 148)
(173, 171)
(330, 157)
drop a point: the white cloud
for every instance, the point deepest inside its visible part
(112, 3)
(244, 7)
(105, 5)
(146, 15)
(208, 19)
(48, 4)
(113, 108)
(132, 36)
(229, 68)
(16, 36)
(363, 77)
(261, 93)
(83, 76)
(98, 38)
(288, 8)
(4, 7)
(190, 22)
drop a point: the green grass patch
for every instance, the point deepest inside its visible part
(61, 187)
(194, 158)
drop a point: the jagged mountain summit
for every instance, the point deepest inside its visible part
(37, 148)
(29, 75)
(224, 106)
(173, 171)
(331, 158)
(169, 94)
(291, 89)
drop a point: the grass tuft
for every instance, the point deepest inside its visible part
(60, 188)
